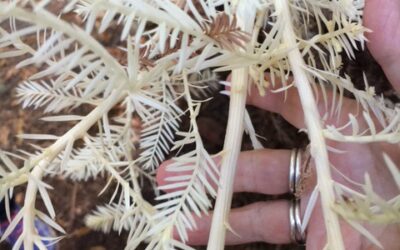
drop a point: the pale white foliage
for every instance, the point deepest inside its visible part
(170, 51)
(107, 218)
(159, 132)
(368, 205)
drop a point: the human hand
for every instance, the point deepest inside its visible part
(266, 171)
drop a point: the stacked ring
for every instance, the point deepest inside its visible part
(294, 170)
(297, 235)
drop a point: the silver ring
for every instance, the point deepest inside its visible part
(294, 170)
(296, 234)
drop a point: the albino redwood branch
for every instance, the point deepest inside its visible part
(233, 136)
(315, 131)
(233, 142)
(49, 154)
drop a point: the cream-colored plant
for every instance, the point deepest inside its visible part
(169, 46)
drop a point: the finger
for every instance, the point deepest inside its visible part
(258, 222)
(288, 104)
(259, 171)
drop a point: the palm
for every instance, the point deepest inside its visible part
(371, 162)
(383, 18)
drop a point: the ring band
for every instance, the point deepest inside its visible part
(297, 235)
(294, 170)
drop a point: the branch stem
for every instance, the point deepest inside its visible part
(43, 161)
(232, 146)
(314, 127)
(249, 21)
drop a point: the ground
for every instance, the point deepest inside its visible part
(73, 201)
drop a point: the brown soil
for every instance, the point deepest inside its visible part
(73, 201)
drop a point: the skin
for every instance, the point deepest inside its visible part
(268, 221)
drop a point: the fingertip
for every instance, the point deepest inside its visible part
(200, 234)
(164, 177)
(227, 83)
(253, 90)
(162, 173)
(229, 78)
(269, 101)
(266, 100)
